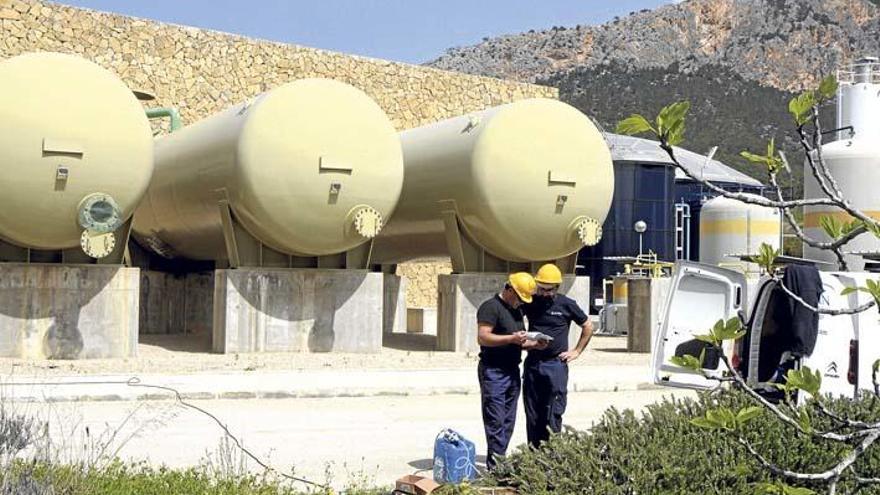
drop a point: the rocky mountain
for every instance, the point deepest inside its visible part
(737, 61)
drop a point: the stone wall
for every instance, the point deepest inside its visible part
(422, 289)
(202, 72)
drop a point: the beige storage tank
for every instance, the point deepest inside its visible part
(853, 161)
(311, 168)
(76, 152)
(527, 181)
(731, 227)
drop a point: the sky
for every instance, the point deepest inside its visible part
(412, 31)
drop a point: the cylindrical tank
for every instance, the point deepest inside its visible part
(731, 227)
(853, 161)
(855, 165)
(76, 151)
(529, 181)
(858, 101)
(311, 168)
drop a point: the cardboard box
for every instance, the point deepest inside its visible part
(415, 485)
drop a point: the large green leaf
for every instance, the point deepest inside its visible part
(705, 423)
(772, 160)
(634, 124)
(747, 414)
(801, 107)
(723, 417)
(804, 379)
(687, 361)
(670, 122)
(831, 226)
(804, 420)
(675, 136)
(850, 226)
(828, 87)
(872, 227)
(766, 257)
(753, 157)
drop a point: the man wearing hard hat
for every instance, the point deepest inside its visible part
(545, 373)
(502, 337)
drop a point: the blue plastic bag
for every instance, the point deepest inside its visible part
(454, 458)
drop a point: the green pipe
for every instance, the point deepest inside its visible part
(170, 112)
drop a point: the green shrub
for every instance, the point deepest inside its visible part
(119, 478)
(662, 452)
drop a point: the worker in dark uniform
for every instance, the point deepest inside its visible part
(501, 335)
(545, 374)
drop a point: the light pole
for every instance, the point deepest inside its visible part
(640, 227)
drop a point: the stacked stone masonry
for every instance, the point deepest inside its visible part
(202, 72)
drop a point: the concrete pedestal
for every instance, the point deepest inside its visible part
(646, 297)
(68, 311)
(308, 310)
(176, 303)
(394, 304)
(459, 296)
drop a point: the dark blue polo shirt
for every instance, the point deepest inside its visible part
(553, 316)
(504, 321)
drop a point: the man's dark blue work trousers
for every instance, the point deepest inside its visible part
(499, 391)
(545, 394)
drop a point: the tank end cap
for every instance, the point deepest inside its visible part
(99, 213)
(367, 221)
(97, 244)
(589, 231)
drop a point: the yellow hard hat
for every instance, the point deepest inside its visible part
(549, 274)
(524, 285)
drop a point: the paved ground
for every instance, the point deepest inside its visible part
(294, 384)
(191, 354)
(201, 375)
(371, 438)
(368, 417)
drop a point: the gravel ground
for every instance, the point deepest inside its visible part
(181, 354)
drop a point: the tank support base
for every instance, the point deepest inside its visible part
(469, 257)
(243, 250)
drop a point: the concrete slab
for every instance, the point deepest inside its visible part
(305, 310)
(459, 296)
(68, 311)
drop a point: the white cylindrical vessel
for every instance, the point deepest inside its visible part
(853, 161)
(729, 227)
(855, 164)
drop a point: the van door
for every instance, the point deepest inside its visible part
(867, 333)
(832, 356)
(699, 296)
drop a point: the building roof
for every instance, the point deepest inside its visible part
(633, 149)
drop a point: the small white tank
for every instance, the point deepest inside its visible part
(731, 227)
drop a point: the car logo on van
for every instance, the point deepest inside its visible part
(831, 370)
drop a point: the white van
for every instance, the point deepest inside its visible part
(846, 345)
